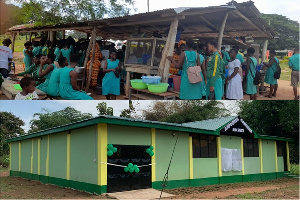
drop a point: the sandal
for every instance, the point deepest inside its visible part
(268, 96)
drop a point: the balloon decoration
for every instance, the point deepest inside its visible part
(132, 168)
(111, 150)
(150, 151)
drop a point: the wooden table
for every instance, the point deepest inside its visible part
(145, 94)
(8, 89)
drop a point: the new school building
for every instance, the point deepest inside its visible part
(216, 151)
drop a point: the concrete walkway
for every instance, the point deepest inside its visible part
(140, 194)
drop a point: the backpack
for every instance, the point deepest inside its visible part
(193, 72)
(257, 78)
(278, 72)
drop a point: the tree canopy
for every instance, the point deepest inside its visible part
(104, 110)
(44, 12)
(46, 119)
(10, 126)
(287, 32)
(185, 111)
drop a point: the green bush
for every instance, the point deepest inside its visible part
(295, 169)
(4, 160)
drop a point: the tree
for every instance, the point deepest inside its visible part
(127, 113)
(275, 118)
(185, 111)
(10, 126)
(42, 12)
(46, 119)
(8, 17)
(287, 32)
(104, 110)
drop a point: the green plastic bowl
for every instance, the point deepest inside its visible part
(158, 88)
(138, 84)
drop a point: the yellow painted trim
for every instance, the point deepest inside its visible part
(288, 164)
(242, 154)
(10, 155)
(31, 160)
(276, 160)
(219, 156)
(39, 156)
(20, 155)
(47, 159)
(102, 153)
(68, 155)
(260, 155)
(191, 157)
(216, 66)
(153, 158)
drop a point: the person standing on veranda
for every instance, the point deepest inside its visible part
(294, 65)
(6, 56)
(272, 68)
(251, 61)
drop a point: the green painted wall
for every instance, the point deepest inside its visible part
(44, 144)
(164, 146)
(83, 156)
(26, 147)
(205, 167)
(15, 156)
(280, 162)
(58, 155)
(252, 165)
(268, 154)
(125, 135)
(35, 156)
(231, 142)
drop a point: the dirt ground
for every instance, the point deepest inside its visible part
(284, 188)
(285, 91)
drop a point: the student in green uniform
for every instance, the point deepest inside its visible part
(53, 86)
(294, 65)
(226, 57)
(27, 51)
(215, 72)
(188, 58)
(251, 61)
(33, 70)
(66, 51)
(239, 55)
(46, 68)
(36, 48)
(46, 48)
(57, 52)
(272, 68)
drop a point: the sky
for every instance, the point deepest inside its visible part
(26, 109)
(289, 8)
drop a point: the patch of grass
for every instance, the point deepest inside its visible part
(295, 168)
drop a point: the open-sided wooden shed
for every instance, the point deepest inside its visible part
(228, 22)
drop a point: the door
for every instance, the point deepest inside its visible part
(118, 180)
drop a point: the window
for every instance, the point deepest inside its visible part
(280, 148)
(250, 147)
(204, 146)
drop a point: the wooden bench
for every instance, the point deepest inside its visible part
(145, 94)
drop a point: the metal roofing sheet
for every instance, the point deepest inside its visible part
(211, 124)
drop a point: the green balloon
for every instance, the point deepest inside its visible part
(148, 150)
(110, 153)
(137, 170)
(151, 148)
(115, 149)
(110, 146)
(131, 170)
(151, 153)
(126, 169)
(135, 167)
(130, 165)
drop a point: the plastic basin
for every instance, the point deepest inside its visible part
(138, 84)
(158, 88)
(151, 79)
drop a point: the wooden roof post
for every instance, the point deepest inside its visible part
(86, 59)
(264, 51)
(221, 32)
(64, 34)
(51, 36)
(94, 36)
(13, 41)
(30, 36)
(164, 65)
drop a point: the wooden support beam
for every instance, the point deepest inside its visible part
(264, 51)
(30, 36)
(164, 65)
(86, 59)
(94, 36)
(64, 34)
(210, 24)
(220, 38)
(158, 20)
(13, 41)
(51, 36)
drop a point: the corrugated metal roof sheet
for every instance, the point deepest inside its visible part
(211, 124)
